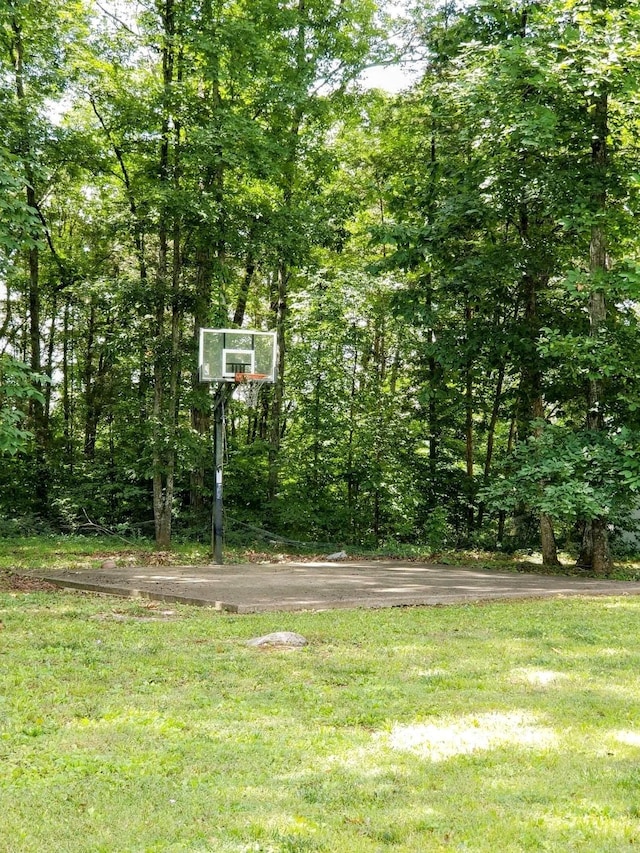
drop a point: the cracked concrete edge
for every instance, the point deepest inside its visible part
(129, 592)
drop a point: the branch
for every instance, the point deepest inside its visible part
(118, 152)
(101, 529)
(117, 20)
(60, 263)
(7, 318)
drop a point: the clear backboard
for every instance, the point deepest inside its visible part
(230, 355)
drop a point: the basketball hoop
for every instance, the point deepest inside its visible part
(248, 387)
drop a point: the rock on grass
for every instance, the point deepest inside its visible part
(279, 638)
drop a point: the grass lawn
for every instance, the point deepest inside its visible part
(129, 726)
(89, 552)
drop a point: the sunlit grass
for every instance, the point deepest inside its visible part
(87, 552)
(130, 726)
(90, 552)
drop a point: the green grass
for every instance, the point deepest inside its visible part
(87, 552)
(131, 727)
(80, 552)
(77, 552)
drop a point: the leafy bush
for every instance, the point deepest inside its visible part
(571, 475)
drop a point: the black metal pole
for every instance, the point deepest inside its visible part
(217, 525)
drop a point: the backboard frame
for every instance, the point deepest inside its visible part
(223, 354)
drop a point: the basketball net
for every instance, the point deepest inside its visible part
(248, 387)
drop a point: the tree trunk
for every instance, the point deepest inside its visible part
(201, 405)
(491, 433)
(66, 387)
(469, 444)
(51, 347)
(469, 452)
(249, 270)
(352, 485)
(595, 553)
(91, 418)
(290, 144)
(209, 253)
(548, 542)
(162, 456)
(278, 391)
(433, 374)
(37, 408)
(166, 357)
(531, 403)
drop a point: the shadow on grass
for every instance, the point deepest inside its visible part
(507, 728)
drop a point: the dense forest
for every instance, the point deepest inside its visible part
(452, 271)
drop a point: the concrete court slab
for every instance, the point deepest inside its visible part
(254, 588)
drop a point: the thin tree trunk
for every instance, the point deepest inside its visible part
(531, 404)
(491, 433)
(166, 354)
(289, 171)
(209, 254)
(595, 553)
(243, 295)
(162, 462)
(50, 351)
(278, 391)
(91, 390)
(317, 396)
(432, 408)
(201, 405)
(67, 387)
(37, 409)
(469, 444)
(502, 515)
(352, 486)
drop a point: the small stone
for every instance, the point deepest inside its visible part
(339, 555)
(279, 638)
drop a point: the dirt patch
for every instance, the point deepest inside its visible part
(154, 615)
(12, 582)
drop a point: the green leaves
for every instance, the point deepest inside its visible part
(20, 227)
(571, 475)
(18, 385)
